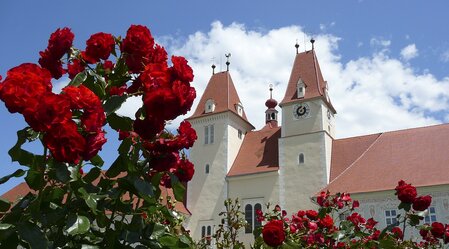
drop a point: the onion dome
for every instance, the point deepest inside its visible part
(271, 103)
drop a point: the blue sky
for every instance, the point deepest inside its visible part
(386, 61)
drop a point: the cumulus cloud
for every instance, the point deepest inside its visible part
(409, 52)
(371, 94)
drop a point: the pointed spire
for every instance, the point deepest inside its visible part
(213, 69)
(312, 41)
(297, 46)
(227, 61)
(271, 114)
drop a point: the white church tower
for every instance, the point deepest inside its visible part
(307, 132)
(221, 124)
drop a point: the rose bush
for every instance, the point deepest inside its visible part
(317, 229)
(74, 202)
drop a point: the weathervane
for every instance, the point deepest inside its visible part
(271, 90)
(227, 61)
(296, 46)
(213, 65)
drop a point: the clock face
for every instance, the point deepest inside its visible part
(301, 111)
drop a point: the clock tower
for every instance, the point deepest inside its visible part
(307, 132)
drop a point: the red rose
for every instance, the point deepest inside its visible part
(406, 192)
(50, 110)
(437, 230)
(326, 222)
(23, 87)
(75, 68)
(421, 203)
(155, 76)
(185, 94)
(356, 219)
(181, 70)
(187, 135)
(99, 46)
(108, 66)
(138, 45)
(161, 102)
(64, 142)
(312, 214)
(184, 170)
(93, 119)
(273, 233)
(159, 55)
(94, 143)
(397, 232)
(148, 127)
(60, 42)
(164, 162)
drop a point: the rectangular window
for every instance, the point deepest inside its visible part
(432, 216)
(209, 134)
(206, 134)
(391, 217)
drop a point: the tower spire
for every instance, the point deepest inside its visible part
(271, 114)
(227, 61)
(312, 41)
(213, 69)
(297, 46)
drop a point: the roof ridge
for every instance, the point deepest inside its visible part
(356, 160)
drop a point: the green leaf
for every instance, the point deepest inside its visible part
(97, 161)
(33, 235)
(93, 174)
(62, 172)
(80, 225)
(405, 206)
(94, 86)
(4, 205)
(120, 123)
(125, 146)
(387, 242)
(4, 226)
(118, 166)
(91, 202)
(157, 230)
(20, 155)
(143, 187)
(89, 247)
(35, 179)
(78, 79)
(114, 103)
(17, 173)
(178, 189)
(168, 240)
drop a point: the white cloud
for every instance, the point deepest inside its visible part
(380, 42)
(445, 56)
(409, 52)
(371, 94)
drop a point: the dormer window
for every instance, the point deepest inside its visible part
(301, 89)
(210, 106)
(239, 109)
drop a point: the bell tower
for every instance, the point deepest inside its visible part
(220, 122)
(307, 132)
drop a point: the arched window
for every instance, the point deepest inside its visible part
(301, 158)
(210, 106)
(300, 89)
(249, 218)
(257, 222)
(207, 169)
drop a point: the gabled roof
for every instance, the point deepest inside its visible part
(222, 91)
(306, 68)
(419, 156)
(258, 152)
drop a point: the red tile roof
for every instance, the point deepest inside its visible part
(306, 68)
(222, 90)
(258, 153)
(419, 156)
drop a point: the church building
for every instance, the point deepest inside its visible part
(289, 161)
